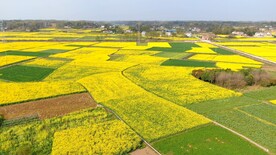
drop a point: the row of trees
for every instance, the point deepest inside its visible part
(35, 25)
(249, 28)
(236, 80)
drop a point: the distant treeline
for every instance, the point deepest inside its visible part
(215, 27)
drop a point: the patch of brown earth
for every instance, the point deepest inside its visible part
(48, 108)
(144, 151)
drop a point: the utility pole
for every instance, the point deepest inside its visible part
(139, 33)
(2, 30)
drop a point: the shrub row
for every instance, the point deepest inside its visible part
(235, 80)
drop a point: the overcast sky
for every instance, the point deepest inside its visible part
(226, 10)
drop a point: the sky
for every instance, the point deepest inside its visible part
(124, 10)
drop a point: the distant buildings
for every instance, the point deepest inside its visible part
(143, 33)
(128, 31)
(170, 32)
(195, 29)
(207, 36)
(189, 34)
(263, 34)
(108, 32)
(238, 33)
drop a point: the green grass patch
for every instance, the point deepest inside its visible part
(247, 122)
(53, 51)
(266, 112)
(183, 45)
(175, 47)
(188, 63)
(114, 57)
(76, 45)
(210, 139)
(172, 55)
(22, 53)
(222, 51)
(24, 73)
(65, 38)
(264, 94)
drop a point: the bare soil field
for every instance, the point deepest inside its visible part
(48, 108)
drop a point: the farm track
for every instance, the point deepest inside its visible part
(233, 131)
(242, 136)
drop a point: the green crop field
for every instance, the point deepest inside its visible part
(249, 116)
(24, 73)
(208, 139)
(188, 63)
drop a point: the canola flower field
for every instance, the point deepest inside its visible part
(260, 49)
(150, 89)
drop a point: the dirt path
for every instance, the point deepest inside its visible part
(48, 108)
(244, 137)
(144, 151)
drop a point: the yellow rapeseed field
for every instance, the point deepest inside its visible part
(224, 58)
(10, 59)
(139, 108)
(176, 84)
(19, 92)
(206, 45)
(273, 101)
(44, 62)
(201, 50)
(262, 49)
(236, 66)
(112, 137)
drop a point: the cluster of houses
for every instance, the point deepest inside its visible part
(267, 31)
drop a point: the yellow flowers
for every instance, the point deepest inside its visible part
(139, 59)
(44, 62)
(132, 45)
(261, 49)
(9, 59)
(236, 66)
(234, 62)
(201, 50)
(18, 92)
(225, 58)
(176, 84)
(39, 135)
(273, 101)
(206, 45)
(112, 137)
(151, 116)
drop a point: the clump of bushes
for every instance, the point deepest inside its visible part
(235, 80)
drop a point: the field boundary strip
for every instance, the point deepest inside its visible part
(148, 144)
(244, 137)
(255, 117)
